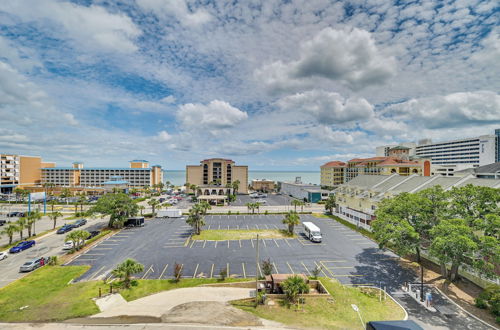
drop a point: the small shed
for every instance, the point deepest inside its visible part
(274, 281)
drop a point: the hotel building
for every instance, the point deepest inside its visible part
(263, 185)
(19, 170)
(333, 173)
(139, 174)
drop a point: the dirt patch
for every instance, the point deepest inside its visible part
(211, 313)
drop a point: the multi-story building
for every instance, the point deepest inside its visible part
(138, 175)
(311, 193)
(333, 173)
(214, 178)
(383, 151)
(262, 185)
(358, 199)
(20, 171)
(491, 171)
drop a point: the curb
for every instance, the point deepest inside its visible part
(397, 302)
(465, 311)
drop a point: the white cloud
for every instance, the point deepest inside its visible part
(349, 56)
(327, 107)
(452, 110)
(91, 26)
(215, 115)
(178, 9)
(163, 136)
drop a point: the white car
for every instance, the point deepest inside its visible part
(3, 255)
(261, 201)
(68, 245)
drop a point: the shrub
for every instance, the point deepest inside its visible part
(315, 272)
(267, 267)
(177, 272)
(266, 212)
(481, 303)
(223, 274)
(293, 286)
(148, 215)
(52, 261)
(229, 212)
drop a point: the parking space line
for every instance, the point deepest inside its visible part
(323, 266)
(275, 268)
(248, 228)
(186, 242)
(266, 227)
(227, 227)
(349, 275)
(260, 271)
(100, 248)
(208, 227)
(321, 269)
(204, 243)
(104, 243)
(92, 254)
(95, 274)
(84, 259)
(174, 246)
(290, 267)
(216, 244)
(196, 270)
(264, 242)
(277, 245)
(227, 270)
(147, 272)
(212, 271)
(219, 225)
(357, 239)
(192, 243)
(251, 240)
(240, 242)
(163, 271)
(276, 227)
(228, 243)
(286, 241)
(244, 272)
(307, 270)
(327, 261)
(176, 239)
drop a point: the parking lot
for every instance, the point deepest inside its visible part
(343, 254)
(271, 200)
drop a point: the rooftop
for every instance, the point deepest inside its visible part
(138, 161)
(335, 163)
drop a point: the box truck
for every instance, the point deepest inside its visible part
(170, 213)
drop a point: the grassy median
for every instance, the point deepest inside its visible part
(329, 313)
(234, 234)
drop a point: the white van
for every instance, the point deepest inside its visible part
(312, 232)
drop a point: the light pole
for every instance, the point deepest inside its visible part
(356, 309)
(257, 273)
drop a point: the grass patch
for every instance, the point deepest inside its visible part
(48, 295)
(327, 313)
(148, 287)
(233, 234)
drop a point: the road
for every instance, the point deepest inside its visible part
(48, 245)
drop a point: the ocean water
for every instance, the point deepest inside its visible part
(179, 177)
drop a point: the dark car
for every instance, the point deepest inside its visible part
(22, 246)
(12, 214)
(3, 222)
(161, 200)
(65, 229)
(93, 234)
(33, 264)
(79, 223)
(21, 214)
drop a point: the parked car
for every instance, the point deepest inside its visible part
(68, 245)
(64, 229)
(33, 264)
(79, 223)
(3, 222)
(13, 214)
(21, 214)
(22, 246)
(3, 255)
(93, 234)
(161, 199)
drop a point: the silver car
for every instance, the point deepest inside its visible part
(33, 264)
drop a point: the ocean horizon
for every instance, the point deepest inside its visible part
(178, 177)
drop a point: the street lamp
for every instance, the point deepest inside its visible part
(356, 309)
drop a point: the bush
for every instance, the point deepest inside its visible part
(481, 303)
(148, 215)
(177, 272)
(52, 261)
(267, 267)
(229, 212)
(223, 274)
(490, 298)
(315, 272)
(266, 212)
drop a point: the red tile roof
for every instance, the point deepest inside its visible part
(335, 163)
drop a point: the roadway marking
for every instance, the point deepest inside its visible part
(244, 272)
(227, 270)
(104, 243)
(307, 270)
(163, 271)
(251, 240)
(264, 242)
(100, 248)
(228, 244)
(147, 272)
(212, 271)
(227, 227)
(275, 268)
(286, 241)
(276, 227)
(216, 244)
(204, 243)
(277, 245)
(196, 270)
(219, 225)
(290, 267)
(95, 274)
(92, 254)
(208, 227)
(240, 242)
(266, 227)
(248, 228)
(321, 268)
(192, 243)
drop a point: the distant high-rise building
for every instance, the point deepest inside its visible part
(383, 151)
(20, 171)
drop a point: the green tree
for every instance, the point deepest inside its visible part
(401, 225)
(65, 193)
(267, 267)
(9, 230)
(19, 192)
(296, 203)
(21, 225)
(194, 188)
(235, 185)
(330, 204)
(78, 238)
(205, 206)
(54, 216)
(196, 217)
(82, 200)
(250, 206)
(474, 203)
(453, 241)
(141, 208)
(153, 203)
(291, 219)
(118, 206)
(31, 219)
(52, 203)
(126, 269)
(293, 286)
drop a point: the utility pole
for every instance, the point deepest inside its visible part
(257, 272)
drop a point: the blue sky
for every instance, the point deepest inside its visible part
(271, 84)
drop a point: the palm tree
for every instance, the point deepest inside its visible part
(141, 208)
(21, 224)
(78, 237)
(9, 230)
(205, 206)
(18, 191)
(293, 286)
(330, 204)
(194, 188)
(235, 185)
(296, 203)
(126, 269)
(81, 200)
(53, 216)
(196, 217)
(153, 203)
(31, 219)
(291, 219)
(65, 193)
(250, 206)
(52, 203)
(257, 206)
(160, 186)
